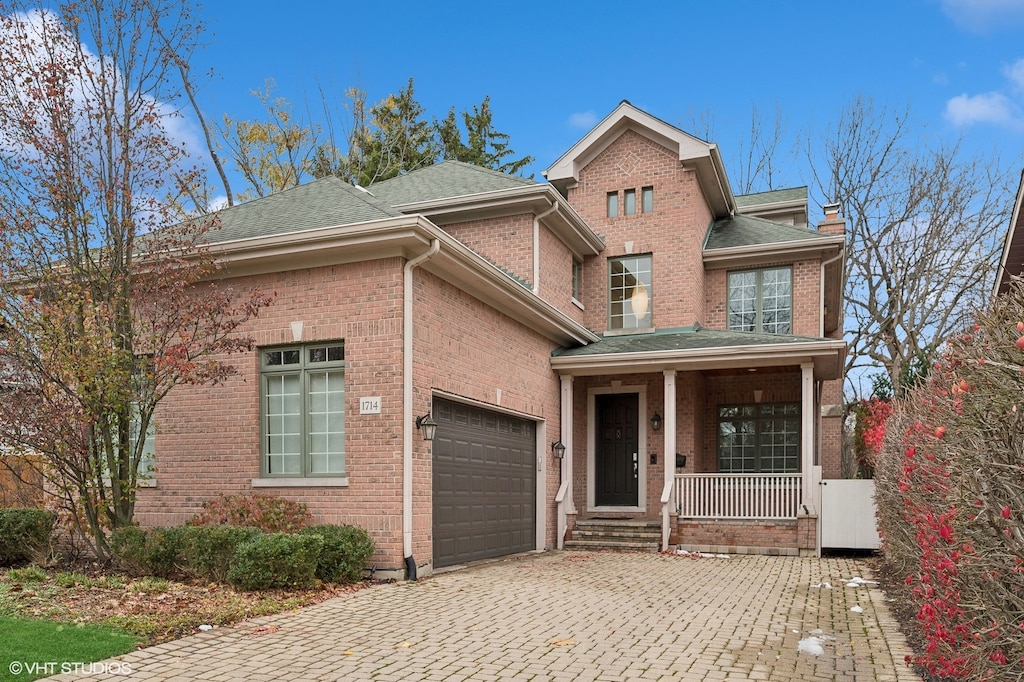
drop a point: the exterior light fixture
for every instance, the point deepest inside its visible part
(428, 425)
(558, 448)
(656, 422)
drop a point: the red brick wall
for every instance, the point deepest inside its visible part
(673, 233)
(730, 536)
(506, 241)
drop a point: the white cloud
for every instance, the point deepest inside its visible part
(982, 15)
(1015, 72)
(583, 119)
(989, 107)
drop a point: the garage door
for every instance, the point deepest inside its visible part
(485, 484)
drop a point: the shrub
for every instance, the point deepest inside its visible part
(276, 560)
(345, 553)
(29, 574)
(268, 513)
(153, 551)
(950, 498)
(207, 551)
(24, 534)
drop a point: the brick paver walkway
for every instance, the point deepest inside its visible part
(565, 616)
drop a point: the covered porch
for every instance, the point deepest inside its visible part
(714, 436)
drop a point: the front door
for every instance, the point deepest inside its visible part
(617, 466)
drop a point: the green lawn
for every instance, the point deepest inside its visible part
(31, 649)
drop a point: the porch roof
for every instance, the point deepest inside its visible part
(696, 348)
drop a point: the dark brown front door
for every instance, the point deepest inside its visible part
(617, 467)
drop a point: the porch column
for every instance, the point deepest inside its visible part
(669, 458)
(566, 438)
(807, 435)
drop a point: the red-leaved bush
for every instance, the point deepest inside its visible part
(950, 495)
(268, 513)
(871, 416)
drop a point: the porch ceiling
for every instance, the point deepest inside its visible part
(700, 349)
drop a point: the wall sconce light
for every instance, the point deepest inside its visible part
(558, 448)
(656, 422)
(757, 395)
(429, 426)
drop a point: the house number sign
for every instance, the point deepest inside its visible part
(369, 405)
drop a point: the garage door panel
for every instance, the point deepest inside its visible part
(484, 484)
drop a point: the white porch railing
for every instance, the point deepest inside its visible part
(738, 496)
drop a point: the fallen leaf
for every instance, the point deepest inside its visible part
(405, 645)
(349, 653)
(562, 642)
(265, 630)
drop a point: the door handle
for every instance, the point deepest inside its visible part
(636, 466)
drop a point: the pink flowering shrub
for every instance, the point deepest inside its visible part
(950, 495)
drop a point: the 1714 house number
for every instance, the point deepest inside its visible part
(369, 405)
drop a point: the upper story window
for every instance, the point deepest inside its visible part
(761, 301)
(630, 201)
(647, 200)
(303, 399)
(577, 278)
(762, 438)
(630, 295)
(613, 204)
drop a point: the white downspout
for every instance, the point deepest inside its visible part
(821, 292)
(407, 417)
(536, 245)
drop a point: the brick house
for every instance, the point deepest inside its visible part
(628, 342)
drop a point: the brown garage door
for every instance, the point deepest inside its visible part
(485, 484)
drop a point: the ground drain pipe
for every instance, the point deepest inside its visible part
(410, 562)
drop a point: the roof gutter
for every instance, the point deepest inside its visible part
(407, 399)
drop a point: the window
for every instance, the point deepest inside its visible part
(630, 292)
(761, 301)
(303, 396)
(630, 196)
(759, 438)
(647, 200)
(613, 204)
(577, 274)
(147, 459)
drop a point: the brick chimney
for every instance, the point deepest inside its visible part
(833, 223)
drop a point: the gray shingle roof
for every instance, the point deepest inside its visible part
(690, 338)
(778, 195)
(741, 230)
(323, 203)
(444, 181)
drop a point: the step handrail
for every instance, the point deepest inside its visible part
(563, 522)
(666, 500)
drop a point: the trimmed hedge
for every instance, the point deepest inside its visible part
(345, 552)
(151, 551)
(276, 560)
(24, 534)
(207, 551)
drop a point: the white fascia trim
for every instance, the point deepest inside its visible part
(776, 249)
(779, 354)
(1008, 240)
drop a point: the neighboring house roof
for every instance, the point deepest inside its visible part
(693, 153)
(444, 181)
(709, 348)
(1011, 263)
(327, 202)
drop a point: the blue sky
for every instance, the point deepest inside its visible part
(554, 69)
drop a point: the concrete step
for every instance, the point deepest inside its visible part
(611, 544)
(636, 535)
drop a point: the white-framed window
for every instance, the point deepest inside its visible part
(303, 410)
(761, 438)
(761, 300)
(577, 279)
(630, 292)
(612, 204)
(630, 201)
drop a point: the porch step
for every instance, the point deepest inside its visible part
(624, 535)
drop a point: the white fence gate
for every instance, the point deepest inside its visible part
(848, 514)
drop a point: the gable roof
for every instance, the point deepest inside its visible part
(775, 196)
(445, 180)
(327, 202)
(693, 153)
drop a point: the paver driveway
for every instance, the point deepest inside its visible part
(566, 616)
